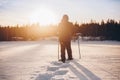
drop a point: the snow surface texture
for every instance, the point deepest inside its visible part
(37, 60)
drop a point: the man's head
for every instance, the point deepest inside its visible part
(65, 18)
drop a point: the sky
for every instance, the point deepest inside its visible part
(14, 12)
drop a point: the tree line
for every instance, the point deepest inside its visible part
(25, 32)
(109, 30)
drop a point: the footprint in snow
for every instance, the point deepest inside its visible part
(53, 68)
(60, 72)
(60, 64)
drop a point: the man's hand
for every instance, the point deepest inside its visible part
(76, 36)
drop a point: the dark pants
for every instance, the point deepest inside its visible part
(66, 46)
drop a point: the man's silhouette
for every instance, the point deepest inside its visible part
(66, 31)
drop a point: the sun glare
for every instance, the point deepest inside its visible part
(43, 16)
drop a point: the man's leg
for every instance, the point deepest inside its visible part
(69, 50)
(62, 44)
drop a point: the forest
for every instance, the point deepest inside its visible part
(109, 30)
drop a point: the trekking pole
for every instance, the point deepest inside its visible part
(58, 50)
(79, 45)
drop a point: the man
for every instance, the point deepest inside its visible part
(65, 32)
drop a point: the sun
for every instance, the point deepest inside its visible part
(43, 16)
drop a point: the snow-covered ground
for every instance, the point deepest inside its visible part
(37, 60)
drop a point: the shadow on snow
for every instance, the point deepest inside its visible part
(56, 70)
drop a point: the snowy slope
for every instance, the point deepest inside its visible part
(37, 60)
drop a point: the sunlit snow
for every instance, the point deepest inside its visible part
(38, 60)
